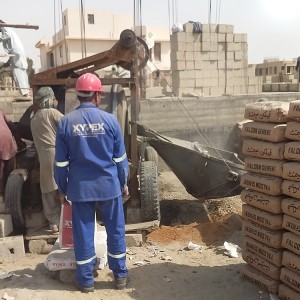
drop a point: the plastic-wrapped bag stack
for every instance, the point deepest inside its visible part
(263, 147)
(290, 271)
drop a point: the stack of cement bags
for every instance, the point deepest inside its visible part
(290, 271)
(263, 146)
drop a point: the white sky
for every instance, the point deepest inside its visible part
(272, 26)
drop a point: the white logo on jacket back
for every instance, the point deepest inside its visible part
(88, 129)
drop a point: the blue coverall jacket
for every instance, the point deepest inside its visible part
(90, 155)
(91, 166)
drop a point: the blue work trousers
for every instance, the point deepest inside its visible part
(83, 224)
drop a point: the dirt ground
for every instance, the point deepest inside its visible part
(163, 268)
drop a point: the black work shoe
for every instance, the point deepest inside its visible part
(85, 289)
(121, 282)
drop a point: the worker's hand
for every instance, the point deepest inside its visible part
(125, 191)
(63, 199)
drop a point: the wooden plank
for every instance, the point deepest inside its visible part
(40, 234)
(41, 237)
(151, 225)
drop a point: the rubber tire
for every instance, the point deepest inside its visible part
(149, 195)
(13, 200)
(151, 155)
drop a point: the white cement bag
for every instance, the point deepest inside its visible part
(291, 260)
(263, 201)
(264, 166)
(259, 279)
(287, 293)
(264, 131)
(290, 278)
(292, 151)
(291, 207)
(263, 149)
(269, 185)
(292, 131)
(291, 188)
(294, 110)
(267, 111)
(291, 171)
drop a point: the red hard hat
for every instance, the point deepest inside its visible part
(89, 82)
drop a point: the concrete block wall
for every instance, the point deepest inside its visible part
(13, 104)
(281, 87)
(218, 59)
(202, 119)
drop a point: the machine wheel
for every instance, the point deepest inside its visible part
(151, 155)
(13, 198)
(149, 191)
(129, 40)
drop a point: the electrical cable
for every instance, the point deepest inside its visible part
(64, 33)
(82, 29)
(200, 132)
(209, 12)
(170, 31)
(55, 52)
(219, 12)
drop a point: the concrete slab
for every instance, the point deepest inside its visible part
(12, 247)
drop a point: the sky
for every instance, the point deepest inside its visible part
(272, 26)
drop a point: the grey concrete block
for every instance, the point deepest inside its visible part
(197, 46)
(209, 28)
(178, 65)
(238, 55)
(39, 247)
(12, 247)
(134, 239)
(198, 64)
(222, 28)
(190, 65)
(205, 46)
(179, 46)
(213, 55)
(189, 46)
(189, 56)
(153, 92)
(178, 37)
(221, 37)
(177, 55)
(294, 87)
(6, 226)
(188, 27)
(229, 38)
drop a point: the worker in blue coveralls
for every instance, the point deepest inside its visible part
(91, 166)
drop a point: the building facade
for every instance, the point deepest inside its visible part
(278, 75)
(95, 32)
(213, 62)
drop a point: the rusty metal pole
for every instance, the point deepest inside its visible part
(135, 94)
(19, 26)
